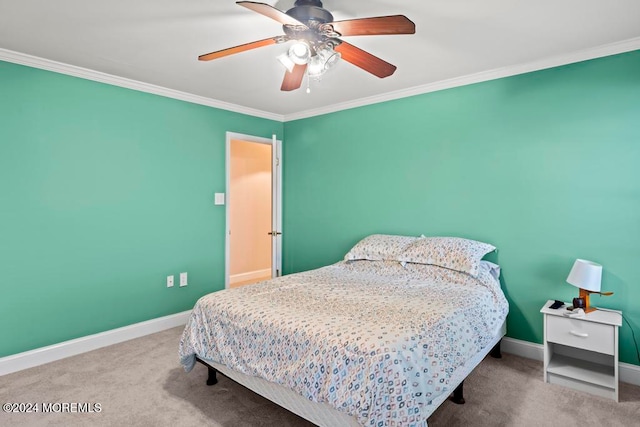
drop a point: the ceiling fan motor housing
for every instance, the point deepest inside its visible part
(307, 11)
(316, 3)
(313, 15)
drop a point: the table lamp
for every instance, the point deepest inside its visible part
(587, 276)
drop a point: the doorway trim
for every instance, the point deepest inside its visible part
(276, 200)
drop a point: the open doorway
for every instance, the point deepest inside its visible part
(253, 205)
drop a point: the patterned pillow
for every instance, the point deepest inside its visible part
(379, 247)
(454, 253)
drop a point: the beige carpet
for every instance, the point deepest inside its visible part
(140, 383)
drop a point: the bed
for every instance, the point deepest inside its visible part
(381, 338)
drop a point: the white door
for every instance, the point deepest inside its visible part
(253, 235)
(276, 214)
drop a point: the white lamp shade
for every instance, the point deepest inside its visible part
(585, 275)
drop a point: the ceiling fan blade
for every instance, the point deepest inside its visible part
(270, 12)
(293, 80)
(381, 25)
(237, 49)
(365, 60)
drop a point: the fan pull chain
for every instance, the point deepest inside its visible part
(308, 82)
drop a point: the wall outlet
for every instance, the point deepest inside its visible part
(183, 279)
(170, 281)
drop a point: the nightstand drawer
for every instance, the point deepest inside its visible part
(581, 334)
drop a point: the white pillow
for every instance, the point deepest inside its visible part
(493, 269)
(379, 247)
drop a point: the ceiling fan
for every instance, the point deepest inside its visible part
(318, 46)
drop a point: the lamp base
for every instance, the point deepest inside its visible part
(584, 295)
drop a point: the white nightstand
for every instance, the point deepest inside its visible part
(582, 353)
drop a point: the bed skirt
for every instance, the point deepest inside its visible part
(324, 415)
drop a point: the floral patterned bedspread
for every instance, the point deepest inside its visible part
(375, 339)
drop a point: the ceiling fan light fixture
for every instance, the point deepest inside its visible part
(325, 59)
(300, 53)
(331, 58)
(316, 68)
(286, 61)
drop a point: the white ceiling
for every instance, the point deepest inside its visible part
(158, 42)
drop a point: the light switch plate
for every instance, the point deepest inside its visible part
(219, 199)
(183, 279)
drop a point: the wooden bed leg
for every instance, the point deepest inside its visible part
(495, 351)
(212, 376)
(457, 395)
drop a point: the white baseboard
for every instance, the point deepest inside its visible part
(40, 356)
(250, 275)
(523, 348)
(628, 373)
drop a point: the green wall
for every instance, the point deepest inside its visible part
(543, 165)
(104, 192)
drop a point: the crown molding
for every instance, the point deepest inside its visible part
(97, 76)
(498, 73)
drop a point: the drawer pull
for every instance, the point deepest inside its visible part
(578, 334)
